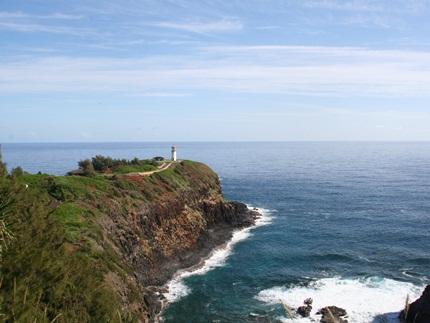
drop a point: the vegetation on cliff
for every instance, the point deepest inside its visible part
(105, 165)
(87, 248)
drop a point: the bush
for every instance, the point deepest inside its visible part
(5, 235)
(3, 169)
(101, 163)
(43, 276)
(17, 172)
(135, 161)
(87, 167)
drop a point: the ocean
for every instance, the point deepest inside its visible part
(346, 223)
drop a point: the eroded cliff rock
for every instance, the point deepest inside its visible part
(418, 311)
(175, 229)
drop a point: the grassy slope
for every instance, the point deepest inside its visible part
(61, 264)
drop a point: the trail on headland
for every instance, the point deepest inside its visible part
(162, 167)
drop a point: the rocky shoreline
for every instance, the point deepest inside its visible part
(214, 239)
(415, 312)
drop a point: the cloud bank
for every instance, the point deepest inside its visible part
(303, 70)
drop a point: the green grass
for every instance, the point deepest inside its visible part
(134, 169)
(74, 219)
(69, 188)
(46, 276)
(172, 177)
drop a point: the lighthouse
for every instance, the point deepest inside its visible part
(174, 153)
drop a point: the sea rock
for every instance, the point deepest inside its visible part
(419, 311)
(308, 301)
(304, 311)
(336, 312)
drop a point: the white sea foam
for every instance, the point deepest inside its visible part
(177, 287)
(363, 299)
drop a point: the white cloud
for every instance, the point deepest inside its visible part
(401, 7)
(55, 15)
(270, 27)
(353, 5)
(44, 28)
(223, 25)
(59, 15)
(163, 94)
(328, 71)
(9, 15)
(18, 21)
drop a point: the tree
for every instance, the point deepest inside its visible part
(5, 201)
(87, 167)
(101, 163)
(3, 169)
(17, 172)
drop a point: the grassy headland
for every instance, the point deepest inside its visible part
(86, 248)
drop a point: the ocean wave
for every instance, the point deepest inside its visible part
(333, 257)
(421, 261)
(177, 287)
(365, 299)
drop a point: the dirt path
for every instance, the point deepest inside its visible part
(164, 166)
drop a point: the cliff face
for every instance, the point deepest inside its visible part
(177, 224)
(133, 231)
(418, 311)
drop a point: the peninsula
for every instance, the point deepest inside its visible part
(99, 244)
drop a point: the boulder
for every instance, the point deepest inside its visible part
(308, 301)
(332, 312)
(304, 311)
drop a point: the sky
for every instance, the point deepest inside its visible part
(214, 70)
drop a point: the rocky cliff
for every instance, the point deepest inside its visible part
(110, 242)
(418, 311)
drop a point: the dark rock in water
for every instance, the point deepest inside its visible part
(308, 301)
(304, 311)
(330, 312)
(336, 311)
(419, 311)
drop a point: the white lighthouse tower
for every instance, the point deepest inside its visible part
(174, 153)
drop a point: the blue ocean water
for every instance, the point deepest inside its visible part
(350, 224)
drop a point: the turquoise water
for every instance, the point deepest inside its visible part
(350, 225)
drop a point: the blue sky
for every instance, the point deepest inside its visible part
(214, 70)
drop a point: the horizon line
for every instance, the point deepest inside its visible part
(216, 141)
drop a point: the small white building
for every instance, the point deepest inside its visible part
(174, 153)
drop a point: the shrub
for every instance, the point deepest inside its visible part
(101, 163)
(5, 235)
(87, 167)
(135, 161)
(43, 276)
(17, 172)
(3, 169)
